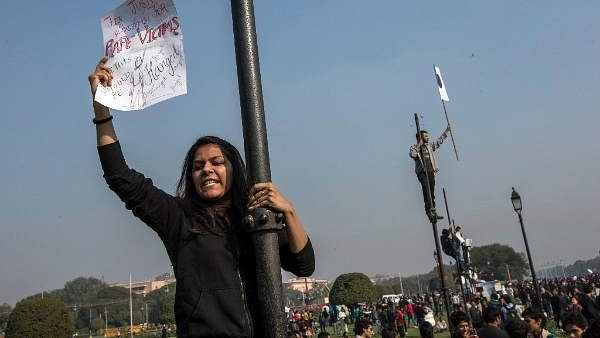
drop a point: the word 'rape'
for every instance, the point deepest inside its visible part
(115, 46)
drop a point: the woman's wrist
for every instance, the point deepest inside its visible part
(100, 111)
(102, 121)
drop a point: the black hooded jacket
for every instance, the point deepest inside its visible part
(216, 292)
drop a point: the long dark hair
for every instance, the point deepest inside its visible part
(198, 210)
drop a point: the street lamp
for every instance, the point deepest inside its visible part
(518, 206)
(105, 320)
(75, 319)
(90, 322)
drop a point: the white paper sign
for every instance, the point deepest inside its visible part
(144, 42)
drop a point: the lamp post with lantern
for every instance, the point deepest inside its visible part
(518, 206)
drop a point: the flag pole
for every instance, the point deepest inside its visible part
(451, 135)
(130, 309)
(444, 97)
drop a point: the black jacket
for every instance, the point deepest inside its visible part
(216, 292)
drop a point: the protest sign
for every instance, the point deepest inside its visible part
(144, 42)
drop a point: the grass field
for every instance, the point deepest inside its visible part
(412, 333)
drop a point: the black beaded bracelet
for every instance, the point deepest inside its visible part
(102, 121)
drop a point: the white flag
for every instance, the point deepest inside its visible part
(440, 83)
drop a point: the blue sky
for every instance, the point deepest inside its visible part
(342, 81)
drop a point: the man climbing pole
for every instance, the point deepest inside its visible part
(425, 166)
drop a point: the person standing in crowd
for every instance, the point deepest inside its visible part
(426, 330)
(545, 297)
(536, 321)
(575, 325)
(363, 328)
(333, 319)
(508, 309)
(456, 300)
(399, 319)
(460, 325)
(588, 306)
(575, 306)
(476, 315)
(491, 329)
(516, 328)
(426, 167)
(420, 312)
(593, 331)
(342, 318)
(495, 300)
(323, 320)
(201, 227)
(409, 310)
(558, 306)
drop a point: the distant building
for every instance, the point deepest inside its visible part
(381, 278)
(304, 284)
(143, 288)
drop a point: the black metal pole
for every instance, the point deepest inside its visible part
(535, 301)
(438, 248)
(458, 259)
(261, 223)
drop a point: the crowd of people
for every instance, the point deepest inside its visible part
(384, 316)
(514, 311)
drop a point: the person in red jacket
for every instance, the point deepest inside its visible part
(400, 325)
(409, 310)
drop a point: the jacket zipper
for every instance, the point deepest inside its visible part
(246, 311)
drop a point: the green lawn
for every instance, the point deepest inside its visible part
(412, 333)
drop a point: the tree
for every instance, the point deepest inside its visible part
(161, 304)
(384, 290)
(5, 310)
(97, 324)
(42, 317)
(435, 284)
(166, 311)
(117, 299)
(319, 291)
(352, 288)
(291, 296)
(81, 290)
(495, 260)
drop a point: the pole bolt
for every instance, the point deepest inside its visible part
(248, 221)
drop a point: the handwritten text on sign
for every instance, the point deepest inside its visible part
(144, 41)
